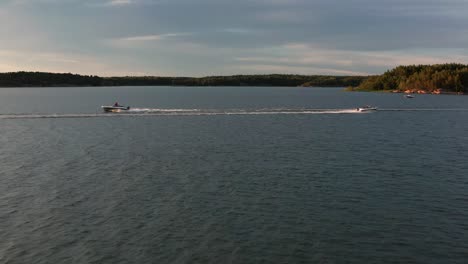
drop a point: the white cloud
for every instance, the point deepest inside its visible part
(119, 2)
(141, 41)
(377, 58)
(283, 16)
(12, 60)
(309, 59)
(143, 38)
(31, 2)
(238, 30)
(269, 69)
(277, 2)
(154, 37)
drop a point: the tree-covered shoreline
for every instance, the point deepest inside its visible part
(435, 79)
(44, 79)
(439, 78)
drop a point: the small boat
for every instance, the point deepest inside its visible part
(366, 108)
(115, 108)
(409, 96)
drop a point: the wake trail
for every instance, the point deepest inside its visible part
(144, 112)
(148, 112)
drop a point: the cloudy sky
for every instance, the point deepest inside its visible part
(223, 37)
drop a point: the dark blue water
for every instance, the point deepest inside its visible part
(232, 175)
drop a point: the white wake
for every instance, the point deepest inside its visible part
(141, 112)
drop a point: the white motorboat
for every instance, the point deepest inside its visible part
(115, 108)
(366, 108)
(409, 96)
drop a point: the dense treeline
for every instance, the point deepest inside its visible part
(241, 80)
(334, 81)
(414, 78)
(421, 78)
(41, 79)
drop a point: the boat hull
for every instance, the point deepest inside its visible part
(115, 109)
(366, 109)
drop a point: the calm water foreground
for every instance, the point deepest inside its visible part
(232, 175)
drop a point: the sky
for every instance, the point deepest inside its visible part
(227, 37)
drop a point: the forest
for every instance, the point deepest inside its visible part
(438, 78)
(43, 79)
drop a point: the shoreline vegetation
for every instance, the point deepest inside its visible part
(448, 78)
(45, 79)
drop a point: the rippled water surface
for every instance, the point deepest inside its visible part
(232, 175)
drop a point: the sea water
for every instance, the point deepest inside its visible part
(232, 175)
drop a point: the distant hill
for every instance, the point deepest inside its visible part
(43, 79)
(439, 78)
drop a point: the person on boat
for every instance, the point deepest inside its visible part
(116, 104)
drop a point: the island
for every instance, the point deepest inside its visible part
(45, 79)
(451, 78)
